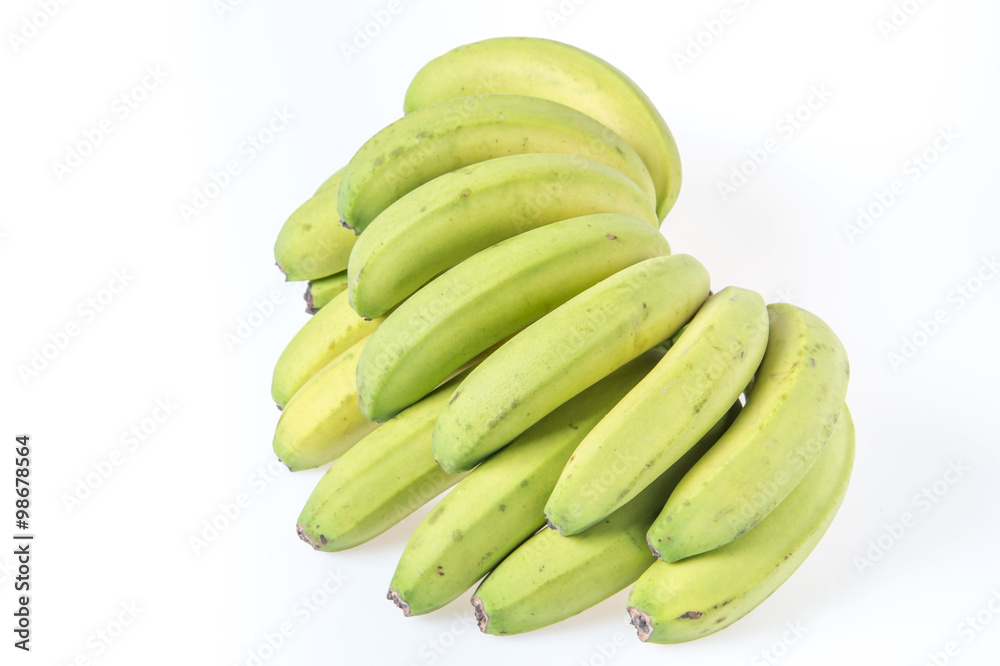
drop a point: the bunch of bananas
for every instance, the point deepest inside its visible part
(495, 309)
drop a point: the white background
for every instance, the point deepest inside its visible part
(870, 593)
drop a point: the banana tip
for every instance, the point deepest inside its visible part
(552, 526)
(394, 597)
(301, 531)
(281, 268)
(482, 618)
(344, 224)
(641, 622)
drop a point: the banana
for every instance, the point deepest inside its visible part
(499, 504)
(323, 338)
(321, 291)
(322, 420)
(566, 74)
(674, 602)
(454, 133)
(791, 410)
(312, 242)
(564, 352)
(490, 296)
(705, 370)
(463, 212)
(550, 578)
(381, 480)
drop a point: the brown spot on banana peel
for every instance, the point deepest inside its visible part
(690, 615)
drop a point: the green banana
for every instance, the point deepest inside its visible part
(322, 420)
(499, 504)
(566, 74)
(674, 602)
(321, 291)
(381, 480)
(454, 133)
(797, 396)
(312, 242)
(550, 578)
(463, 212)
(566, 351)
(323, 338)
(705, 370)
(490, 296)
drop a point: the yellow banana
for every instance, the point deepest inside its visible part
(791, 410)
(382, 479)
(566, 74)
(499, 504)
(698, 379)
(312, 242)
(322, 420)
(491, 295)
(322, 339)
(675, 602)
(454, 133)
(566, 351)
(550, 577)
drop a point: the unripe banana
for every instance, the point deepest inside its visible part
(322, 339)
(381, 480)
(566, 74)
(322, 420)
(550, 578)
(566, 351)
(705, 370)
(490, 296)
(454, 133)
(675, 602)
(791, 411)
(452, 217)
(312, 242)
(320, 292)
(499, 504)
